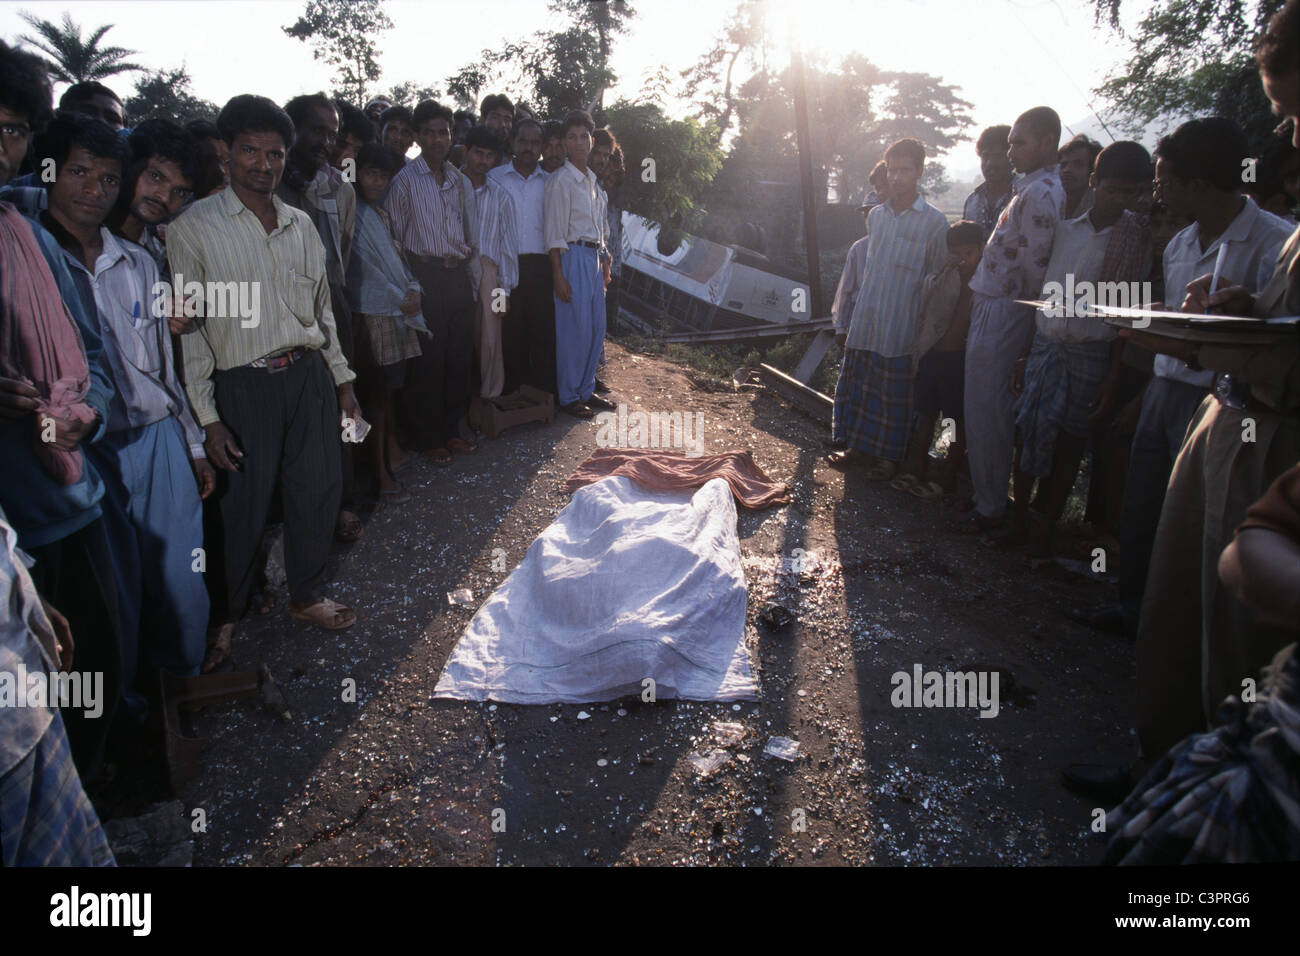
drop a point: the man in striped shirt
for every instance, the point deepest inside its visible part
(263, 382)
(431, 206)
(907, 241)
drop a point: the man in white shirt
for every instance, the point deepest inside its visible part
(528, 328)
(576, 226)
(495, 263)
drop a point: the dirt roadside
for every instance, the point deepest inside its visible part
(397, 777)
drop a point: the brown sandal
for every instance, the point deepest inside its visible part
(461, 447)
(348, 527)
(326, 614)
(439, 456)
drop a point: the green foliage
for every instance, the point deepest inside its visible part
(1186, 55)
(686, 158)
(166, 94)
(343, 33)
(407, 94)
(72, 58)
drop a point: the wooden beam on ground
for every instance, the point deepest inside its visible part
(808, 400)
(817, 349)
(764, 330)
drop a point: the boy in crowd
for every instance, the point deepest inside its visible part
(93, 99)
(397, 130)
(431, 206)
(1075, 160)
(873, 397)
(151, 457)
(1074, 357)
(528, 329)
(940, 354)
(387, 299)
(855, 263)
(495, 264)
(158, 182)
(576, 227)
(49, 490)
(985, 204)
(1011, 268)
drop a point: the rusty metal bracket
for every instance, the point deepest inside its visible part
(193, 693)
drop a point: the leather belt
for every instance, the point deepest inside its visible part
(590, 245)
(441, 262)
(280, 362)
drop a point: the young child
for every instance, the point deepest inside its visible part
(1074, 357)
(387, 299)
(940, 362)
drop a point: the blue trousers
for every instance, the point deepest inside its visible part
(579, 326)
(154, 520)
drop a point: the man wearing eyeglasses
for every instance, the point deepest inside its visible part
(161, 175)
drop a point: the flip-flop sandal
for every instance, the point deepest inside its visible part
(842, 458)
(881, 473)
(395, 496)
(904, 482)
(927, 490)
(461, 447)
(348, 527)
(439, 456)
(326, 614)
(219, 639)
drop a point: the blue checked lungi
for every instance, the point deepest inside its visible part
(1061, 381)
(45, 816)
(873, 403)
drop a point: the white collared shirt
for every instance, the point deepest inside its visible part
(574, 208)
(1078, 250)
(529, 195)
(1254, 240)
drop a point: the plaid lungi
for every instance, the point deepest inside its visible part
(873, 403)
(1061, 380)
(391, 341)
(45, 816)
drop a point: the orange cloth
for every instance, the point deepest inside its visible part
(677, 471)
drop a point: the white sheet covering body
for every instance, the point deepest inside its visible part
(625, 584)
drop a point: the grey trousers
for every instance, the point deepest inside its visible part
(1000, 331)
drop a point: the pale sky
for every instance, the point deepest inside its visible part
(237, 46)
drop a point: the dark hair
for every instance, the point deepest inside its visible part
(25, 86)
(496, 101)
(353, 122)
(878, 172)
(394, 113)
(552, 130)
(1081, 141)
(431, 109)
(203, 129)
(1043, 122)
(168, 140)
(85, 90)
(603, 137)
(526, 121)
(249, 113)
(993, 138)
(464, 116)
(69, 131)
(1207, 149)
(1124, 160)
(577, 118)
(376, 156)
(907, 148)
(1277, 49)
(483, 138)
(963, 232)
(299, 106)
(1268, 169)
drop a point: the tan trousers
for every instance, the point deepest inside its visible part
(1196, 643)
(491, 364)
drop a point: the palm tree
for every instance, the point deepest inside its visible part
(74, 59)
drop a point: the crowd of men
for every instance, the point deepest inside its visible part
(1188, 435)
(200, 325)
(244, 321)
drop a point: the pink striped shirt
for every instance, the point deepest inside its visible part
(427, 218)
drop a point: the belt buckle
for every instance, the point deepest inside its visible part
(1225, 392)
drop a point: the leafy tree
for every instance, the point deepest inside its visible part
(408, 94)
(684, 158)
(343, 33)
(166, 94)
(1186, 57)
(712, 83)
(72, 58)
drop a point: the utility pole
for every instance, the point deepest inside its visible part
(805, 172)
